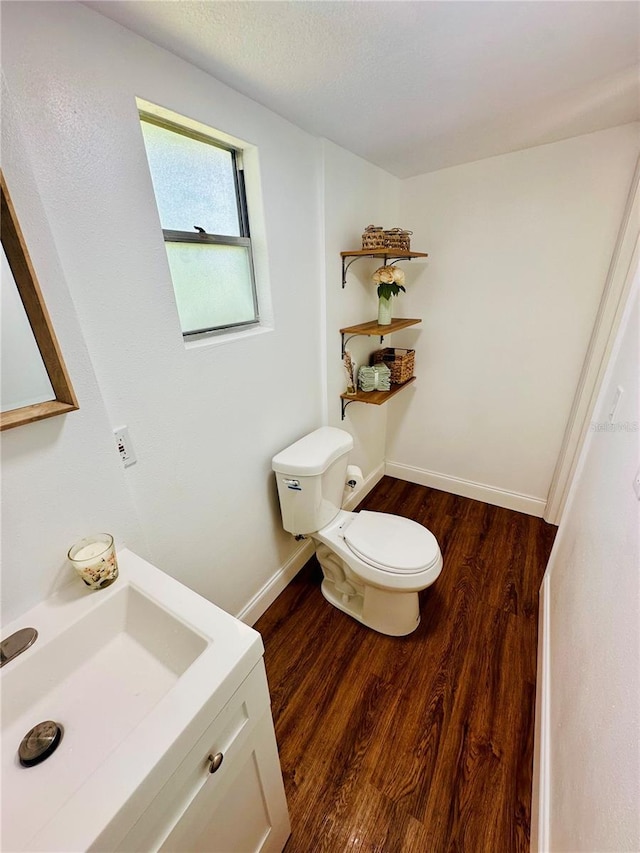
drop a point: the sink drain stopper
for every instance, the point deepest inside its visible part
(39, 743)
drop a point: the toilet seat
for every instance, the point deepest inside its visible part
(391, 543)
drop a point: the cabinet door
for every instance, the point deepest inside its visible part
(241, 807)
(239, 812)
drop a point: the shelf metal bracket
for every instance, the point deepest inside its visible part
(345, 266)
(345, 342)
(387, 259)
(346, 403)
(359, 335)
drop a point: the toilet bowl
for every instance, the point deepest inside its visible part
(373, 563)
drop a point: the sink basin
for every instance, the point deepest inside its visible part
(131, 672)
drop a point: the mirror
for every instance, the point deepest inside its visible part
(35, 383)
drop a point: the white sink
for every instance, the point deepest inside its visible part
(132, 673)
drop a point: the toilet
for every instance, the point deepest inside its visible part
(374, 564)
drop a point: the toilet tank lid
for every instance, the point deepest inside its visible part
(314, 453)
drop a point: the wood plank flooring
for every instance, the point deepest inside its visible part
(424, 743)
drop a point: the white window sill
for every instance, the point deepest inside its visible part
(217, 339)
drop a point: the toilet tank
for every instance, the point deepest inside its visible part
(311, 475)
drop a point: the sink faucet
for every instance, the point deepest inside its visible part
(16, 644)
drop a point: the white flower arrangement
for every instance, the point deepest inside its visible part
(390, 281)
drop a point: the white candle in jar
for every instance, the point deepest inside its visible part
(90, 551)
(94, 558)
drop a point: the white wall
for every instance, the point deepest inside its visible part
(356, 194)
(591, 722)
(519, 249)
(61, 479)
(204, 421)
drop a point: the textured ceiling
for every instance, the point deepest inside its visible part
(413, 86)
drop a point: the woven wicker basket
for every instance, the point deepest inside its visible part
(400, 362)
(373, 237)
(398, 240)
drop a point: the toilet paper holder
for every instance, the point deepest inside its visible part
(355, 477)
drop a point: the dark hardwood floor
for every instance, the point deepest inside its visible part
(423, 743)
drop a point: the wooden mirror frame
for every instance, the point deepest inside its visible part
(15, 249)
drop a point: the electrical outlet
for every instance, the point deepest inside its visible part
(636, 484)
(125, 447)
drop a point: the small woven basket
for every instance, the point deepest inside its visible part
(398, 240)
(373, 237)
(400, 362)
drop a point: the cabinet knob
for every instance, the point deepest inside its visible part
(215, 761)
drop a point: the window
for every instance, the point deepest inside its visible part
(199, 187)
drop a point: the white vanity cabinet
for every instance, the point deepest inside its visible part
(240, 807)
(147, 679)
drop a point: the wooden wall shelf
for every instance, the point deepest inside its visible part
(371, 328)
(374, 328)
(385, 254)
(376, 398)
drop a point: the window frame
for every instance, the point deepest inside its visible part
(173, 236)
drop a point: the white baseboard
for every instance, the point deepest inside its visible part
(468, 489)
(541, 770)
(252, 611)
(356, 496)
